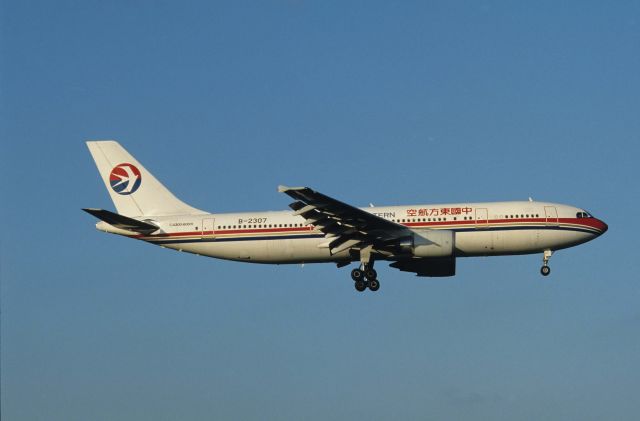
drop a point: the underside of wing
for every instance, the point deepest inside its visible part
(436, 267)
(345, 226)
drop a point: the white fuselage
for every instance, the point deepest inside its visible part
(481, 229)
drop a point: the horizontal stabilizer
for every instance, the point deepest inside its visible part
(122, 222)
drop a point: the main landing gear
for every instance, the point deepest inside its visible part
(545, 270)
(365, 277)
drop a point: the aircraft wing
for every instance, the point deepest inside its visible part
(345, 226)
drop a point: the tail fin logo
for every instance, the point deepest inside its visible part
(125, 179)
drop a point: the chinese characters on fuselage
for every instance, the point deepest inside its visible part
(439, 211)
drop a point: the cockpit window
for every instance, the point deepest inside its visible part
(583, 215)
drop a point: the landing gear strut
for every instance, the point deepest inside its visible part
(545, 270)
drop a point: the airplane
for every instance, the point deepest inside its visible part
(424, 239)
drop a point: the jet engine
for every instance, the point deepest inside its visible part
(429, 243)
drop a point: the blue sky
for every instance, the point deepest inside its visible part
(383, 102)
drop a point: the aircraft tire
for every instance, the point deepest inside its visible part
(545, 270)
(370, 274)
(357, 275)
(374, 285)
(360, 285)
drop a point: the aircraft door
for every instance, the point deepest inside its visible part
(551, 215)
(482, 217)
(208, 227)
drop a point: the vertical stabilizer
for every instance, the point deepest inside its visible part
(133, 190)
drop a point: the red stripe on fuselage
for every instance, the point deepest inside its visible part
(591, 223)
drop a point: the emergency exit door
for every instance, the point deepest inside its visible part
(482, 217)
(208, 227)
(551, 215)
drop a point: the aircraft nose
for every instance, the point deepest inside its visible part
(602, 226)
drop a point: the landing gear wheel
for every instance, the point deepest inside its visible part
(357, 275)
(374, 285)
(370, 274)
(360, 285)
(545, 270)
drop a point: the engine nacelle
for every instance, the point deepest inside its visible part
(429, 243)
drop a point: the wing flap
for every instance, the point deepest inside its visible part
(346, 245)
(346, 226)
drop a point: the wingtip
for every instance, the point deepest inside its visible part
(284, 189)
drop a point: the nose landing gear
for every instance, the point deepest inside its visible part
(545, 270)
